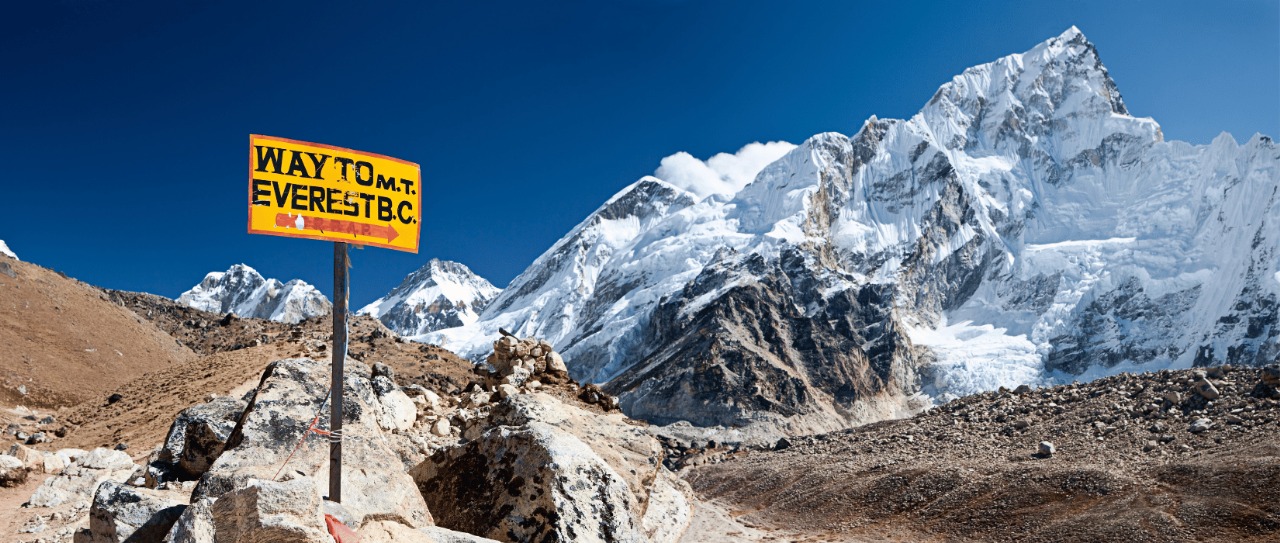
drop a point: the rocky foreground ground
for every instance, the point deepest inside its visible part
(1189, 455)
(202, 449)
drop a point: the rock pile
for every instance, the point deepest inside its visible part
(555, 472)
(516, 362)
(229, 471)
(521, 453)
(533, 466)
(32, 427)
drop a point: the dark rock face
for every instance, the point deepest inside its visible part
(196, 438)
(756, 349)
(123, 513)
(1102, 335)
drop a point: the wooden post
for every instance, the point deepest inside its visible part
(340, 297)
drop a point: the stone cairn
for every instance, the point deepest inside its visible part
(527, 364)
(517, 362)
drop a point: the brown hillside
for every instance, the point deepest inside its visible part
(239, 350)
(63, 342)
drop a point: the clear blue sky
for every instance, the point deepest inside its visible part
(125, 124)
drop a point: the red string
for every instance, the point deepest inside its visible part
(312, 428)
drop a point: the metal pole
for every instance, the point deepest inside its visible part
(340, 296)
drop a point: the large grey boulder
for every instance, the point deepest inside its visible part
(277, 418)
(265, 511)
(13, 471)
(122, 513)
(534, 467)
(529, 483)
(661, 499)
(195, 525)
(196, 438)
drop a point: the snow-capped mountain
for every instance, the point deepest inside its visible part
(1023, 227)
(4, 250)
(243, 291)
(440, 294)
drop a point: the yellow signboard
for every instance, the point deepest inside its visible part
(310, 190)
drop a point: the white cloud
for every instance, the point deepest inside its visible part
(721, 174)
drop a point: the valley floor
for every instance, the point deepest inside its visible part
(1130, 463)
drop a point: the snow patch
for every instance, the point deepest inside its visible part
(4, 250)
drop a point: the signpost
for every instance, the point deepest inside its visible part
(310, 190)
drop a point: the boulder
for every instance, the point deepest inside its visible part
(507, 391)
(432, 400)
(54, 463)
(196, 438)
(31, 458)
(555, 364)
(1206, 389)
(441, 427)
(659, 501)
(194, 525)
(266, 511)
(126, 513)
(278, 418)
(106, 459)
(13, 471)
(1200, 425)
(398, 411)
(1270, 375)
(530, 483)
(1047, 449)
(71, 455)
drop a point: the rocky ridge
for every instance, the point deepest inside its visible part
(218, 474)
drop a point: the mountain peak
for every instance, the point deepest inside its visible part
(440, 294)
(4, 250)
(245, 292)
(1027, 98)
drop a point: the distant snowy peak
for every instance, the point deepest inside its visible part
(441, 294)
(243, 291)
(4, 250)
(1056, 99)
